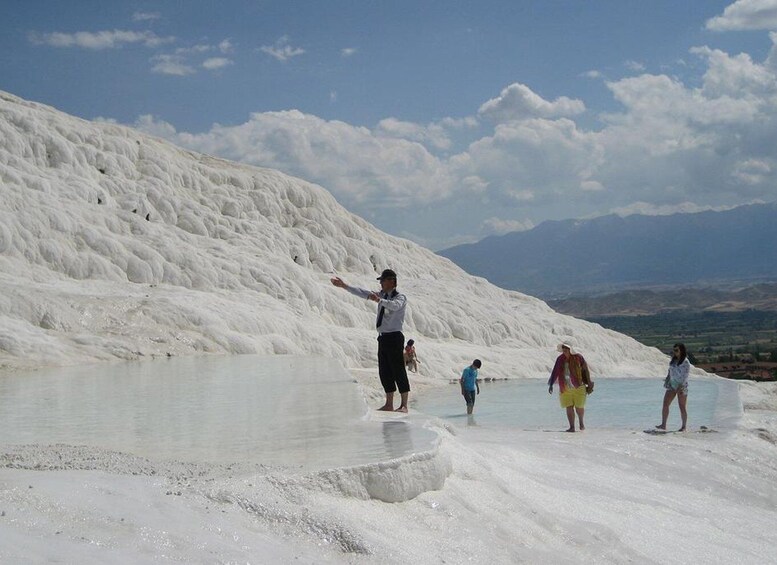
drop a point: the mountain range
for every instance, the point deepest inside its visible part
(611, 253)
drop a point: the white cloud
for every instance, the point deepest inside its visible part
(171, 65)
(158, 128)
(281, 50)
(593, 74)
(736, 76)
(591, 186)
(433, 134)
(348, 51)
(360, 168)
(533, 161)
(518, 101)
(711, 144)
(771, 59)
(474, 184)
(100, 39)
(498, 226)
(647, 209)
(224, 47)
(180, 62)
(183, 62)
(753, 171)
(670, 117)
(145, 16)
(215, 63)
(521, 195)
(635, 66)
(194, 49)
(746, 15)
(468, 122)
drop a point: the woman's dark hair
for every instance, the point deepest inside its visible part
(683, 353)
(477, 363)
(410, 342)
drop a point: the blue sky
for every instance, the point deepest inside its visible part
(442, 122)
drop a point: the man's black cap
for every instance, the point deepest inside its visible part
(387, 274)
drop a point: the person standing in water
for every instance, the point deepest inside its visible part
(391, 340)
(470, 387)
(411, 359)
(676, 384)
(574, 383)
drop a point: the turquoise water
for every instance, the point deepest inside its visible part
(615, 403)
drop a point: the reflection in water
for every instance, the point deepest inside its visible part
(471, 420)
(397, 439)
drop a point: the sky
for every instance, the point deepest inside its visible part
(439, 122)
(171, 275)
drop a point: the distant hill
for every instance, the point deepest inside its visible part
(761, 298)
(612, 253)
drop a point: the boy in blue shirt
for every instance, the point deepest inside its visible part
(469, 384)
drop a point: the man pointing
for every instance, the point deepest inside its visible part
(391, 341)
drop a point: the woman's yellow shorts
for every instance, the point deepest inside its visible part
(573, 397)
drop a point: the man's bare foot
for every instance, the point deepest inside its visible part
(386, 408)
(681, 430)
(582, 427)
(660, 427)
(401, 409)
(570, 430)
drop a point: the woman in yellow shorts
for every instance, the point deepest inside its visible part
(574, 383)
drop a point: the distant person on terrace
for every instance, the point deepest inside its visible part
(411, 359)
(470, 387)
(391, 340)
(574, 383)
(676, 384)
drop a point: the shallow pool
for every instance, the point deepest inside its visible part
(276, 410)
(615, 403)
